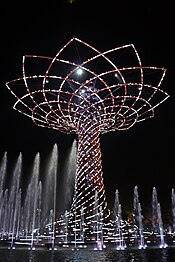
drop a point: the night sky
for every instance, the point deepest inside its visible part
(143, 155)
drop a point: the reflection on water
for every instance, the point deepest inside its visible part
(164, 255)
(32, 256)
(147, 255)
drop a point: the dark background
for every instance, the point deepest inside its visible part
(142, 156)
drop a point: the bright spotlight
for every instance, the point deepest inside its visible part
(79, 71)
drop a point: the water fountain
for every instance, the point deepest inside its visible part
(14, 202)
(82, 226)
(52, 173)
(34, 194)
(3, 168)
(23, 219)
(120, 243)
(138, 218)
(69, 177)
(98, 218)
(65, 228)
(24, 222)
(157, 223)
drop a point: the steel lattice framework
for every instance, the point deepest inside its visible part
(87, 92)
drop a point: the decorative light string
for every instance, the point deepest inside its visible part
(86, 100)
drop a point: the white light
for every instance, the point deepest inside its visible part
(116, 75)
(82, 91)
(79, 71)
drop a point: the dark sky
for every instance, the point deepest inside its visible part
(142, 156)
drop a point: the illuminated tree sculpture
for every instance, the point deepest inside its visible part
(87, 92)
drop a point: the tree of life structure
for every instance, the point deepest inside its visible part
(87, 92)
